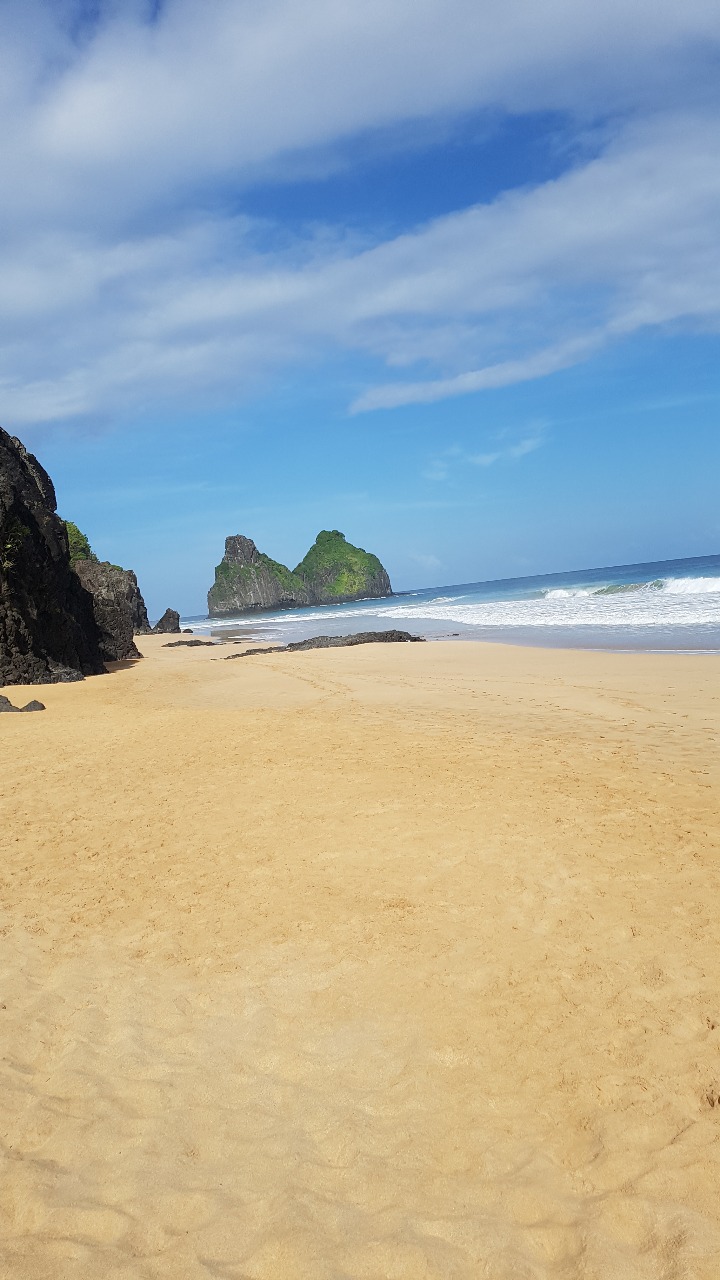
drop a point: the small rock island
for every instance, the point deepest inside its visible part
(332, 572)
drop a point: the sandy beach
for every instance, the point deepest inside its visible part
(384, 963)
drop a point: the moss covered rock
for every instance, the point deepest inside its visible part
(334, 571)
(246, 579)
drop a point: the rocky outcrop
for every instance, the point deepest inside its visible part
(190, 644)
(333, 571)
(117, 604)
(138, 612)
(246, 579)
(114, 593)
(336, 642)
(47, 626)
(6, 705)
(169, 624)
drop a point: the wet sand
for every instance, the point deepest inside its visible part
(384, 963)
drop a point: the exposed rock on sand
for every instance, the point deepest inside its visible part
(34, 705)
(335, 642)
(47, 627)
(189, 644)
(169, 624)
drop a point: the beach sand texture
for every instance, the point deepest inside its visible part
(385, 963)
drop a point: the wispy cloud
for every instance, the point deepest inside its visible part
(520, 450)
(504, 374)
(444, 465)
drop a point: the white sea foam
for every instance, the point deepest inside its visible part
(642, 608)
(691, 586)
(684, 603)
(566, 593)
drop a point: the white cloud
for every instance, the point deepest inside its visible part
(226, 86)
(442, 466)
(504, 374)
(120, 289)
(513, 451)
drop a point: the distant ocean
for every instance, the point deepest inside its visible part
(664, 606)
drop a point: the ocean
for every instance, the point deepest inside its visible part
(662, 606)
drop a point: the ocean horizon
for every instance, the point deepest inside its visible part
(654, 606)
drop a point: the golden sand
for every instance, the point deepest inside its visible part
(384, 963)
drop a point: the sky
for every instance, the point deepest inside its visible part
(444, 274)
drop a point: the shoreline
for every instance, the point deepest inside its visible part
(513, 644)
(394, 960)
(663, 606)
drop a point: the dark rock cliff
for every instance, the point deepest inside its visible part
(139, 614)
(332, 571)
(47, 627)
(116, 593)
(117, 604)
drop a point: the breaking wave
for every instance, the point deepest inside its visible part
(691, 586)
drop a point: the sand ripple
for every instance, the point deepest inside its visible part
(385, 1014)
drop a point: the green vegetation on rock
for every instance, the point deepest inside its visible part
(80, 548)
(253, 583)
(334, 570)
(12, 539)
(248, 579)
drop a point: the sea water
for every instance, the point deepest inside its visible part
(665, 605)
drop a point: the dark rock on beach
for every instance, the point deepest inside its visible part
(336, 642)
(34, 705)
(117, 604)
(169, 624)
(47, 625)
(189, 644)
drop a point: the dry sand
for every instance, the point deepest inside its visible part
(383, 963)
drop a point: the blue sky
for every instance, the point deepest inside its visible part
(443, 274)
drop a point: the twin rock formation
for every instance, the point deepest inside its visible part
(333, 572)
(63, 614)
